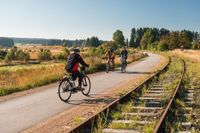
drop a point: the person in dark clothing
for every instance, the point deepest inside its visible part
(111, 58)
(124, 54)
(72, 66)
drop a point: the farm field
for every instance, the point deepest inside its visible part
(34, 50)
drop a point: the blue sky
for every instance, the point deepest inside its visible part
(71, 19)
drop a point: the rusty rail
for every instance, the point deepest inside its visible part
(91, 121)
(160, 126)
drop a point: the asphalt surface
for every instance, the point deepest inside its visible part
(23, 112)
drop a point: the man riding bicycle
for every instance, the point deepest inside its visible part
(124, 55)
(72, 66)
(111, 58)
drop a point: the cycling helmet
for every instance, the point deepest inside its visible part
(111, 49)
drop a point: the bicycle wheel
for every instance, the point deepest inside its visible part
(86, 84)
(63, 90)
(107, 68)
(123, 67)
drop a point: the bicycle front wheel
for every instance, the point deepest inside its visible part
(64, 91)
(86, 84)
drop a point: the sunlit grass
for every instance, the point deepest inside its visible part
(23, 77)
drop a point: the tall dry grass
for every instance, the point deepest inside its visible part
(22, 77)
(17, 78)
(190, 54)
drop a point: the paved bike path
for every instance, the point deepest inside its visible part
(20, 113)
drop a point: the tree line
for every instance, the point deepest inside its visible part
(144, 38)
(6, 42)
(163, 39)
(92, 41)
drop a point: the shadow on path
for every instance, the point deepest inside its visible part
(91, 100)
(128, 72)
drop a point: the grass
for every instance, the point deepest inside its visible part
(174, 71)
(22, 77)
(17, 78)
(191, 81)
(78, 120)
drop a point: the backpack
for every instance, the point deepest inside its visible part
(71, 61)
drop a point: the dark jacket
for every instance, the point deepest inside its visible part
(124, 53)
(73, 60)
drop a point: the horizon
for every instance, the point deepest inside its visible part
(71, 20)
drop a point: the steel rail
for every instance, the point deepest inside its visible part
(91, 121)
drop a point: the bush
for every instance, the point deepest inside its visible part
(196, 45)
(162, 46)
(2, 54)
(8, 58)
(45, 55)
(108, 44)
(22, 56)
(60, 56)
(91, 51)
(100, 51)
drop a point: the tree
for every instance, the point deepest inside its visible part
(184, 40)
(133, 38)
(12, 53)
(118, 38)
(108, 44)
(127, 43)
(139, 34)
(147, 39)
(22, 56)
(94, 41)
(173, 40)
(196, 45)
(162, 46)
(163, 32)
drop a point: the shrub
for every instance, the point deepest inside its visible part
(8, 58)
(2, 54)
(45, 55)
(60, 56)
(91, 51)
(196, 45)
(100, 51)
(22, 56)
(162, 46)
(108, 44)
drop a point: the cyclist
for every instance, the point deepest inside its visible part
(72, 66)
(111, 57)
(124, 55)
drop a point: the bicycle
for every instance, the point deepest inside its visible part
(109, 67)
(67, 86)
(123, 65)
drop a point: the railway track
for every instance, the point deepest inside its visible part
(141, 110)
(185, 107)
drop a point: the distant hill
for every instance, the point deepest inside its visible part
(30, 40)
(9, 42)
(6, 42)
(47, 41)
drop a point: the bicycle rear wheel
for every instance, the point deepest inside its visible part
(107, 68)
(64, 91)
(123, 67)
(86, 84)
